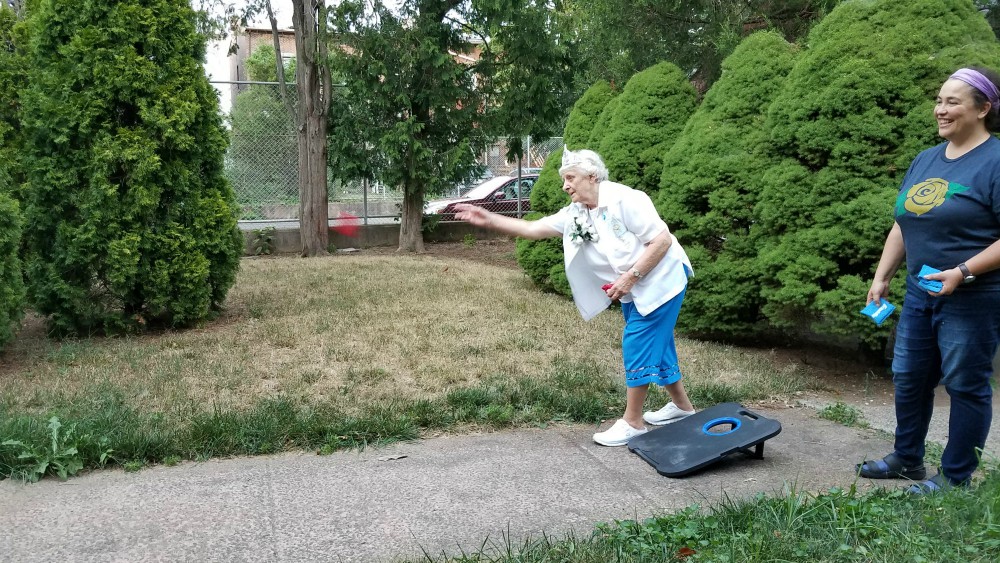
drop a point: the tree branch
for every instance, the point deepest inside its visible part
(279, 63)
(472, 30)
(324, 56)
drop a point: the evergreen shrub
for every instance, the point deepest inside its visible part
(129, 220)
(650, 113)
(710, 184)
(11, 81)
(600, 129)
(11, 284)
(542, 259)
(852, 114)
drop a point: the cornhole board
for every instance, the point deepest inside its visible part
(704, 438)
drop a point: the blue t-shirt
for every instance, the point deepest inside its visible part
(949, 209)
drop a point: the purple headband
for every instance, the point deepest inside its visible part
(978, 81)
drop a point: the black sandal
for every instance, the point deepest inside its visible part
(890, 467)
(935, 484)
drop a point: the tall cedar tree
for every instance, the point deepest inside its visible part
(430, 112)
(542, 259)
(852, 114)
(650, 113)
(710, 185)
(11, 284)
(129, 219)
(12, 69)
(314, 88)
(420, 99)
(527, 71)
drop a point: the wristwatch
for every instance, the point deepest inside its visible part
(968, 277)
(636, 273)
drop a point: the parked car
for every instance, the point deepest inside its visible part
(499, 195)
(464, 188)
(525, 171)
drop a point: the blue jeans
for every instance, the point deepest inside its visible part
(950, 341)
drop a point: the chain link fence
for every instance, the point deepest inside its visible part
(262, 163)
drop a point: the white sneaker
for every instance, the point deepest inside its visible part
(619, 434)
(666, 415)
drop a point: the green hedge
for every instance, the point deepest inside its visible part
(129, 220)
(11, 285)
(852, 114)
(709, 186)
(600, 129)
(542, 260)
(11, 80)
(649, 115)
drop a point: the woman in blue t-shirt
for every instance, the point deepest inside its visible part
(948, 218)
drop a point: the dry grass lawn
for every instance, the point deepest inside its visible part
(353, 329)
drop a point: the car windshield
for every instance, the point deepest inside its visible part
(485, 189)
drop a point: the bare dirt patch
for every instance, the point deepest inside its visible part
(841, 375)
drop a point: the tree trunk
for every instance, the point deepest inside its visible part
(313, 86)
(411, 238)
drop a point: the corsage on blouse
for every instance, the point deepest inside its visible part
(581, 230)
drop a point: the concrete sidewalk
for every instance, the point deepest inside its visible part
(441, 495)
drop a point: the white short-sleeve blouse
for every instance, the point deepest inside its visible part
(625, 221)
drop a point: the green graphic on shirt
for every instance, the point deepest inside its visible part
(927, 195)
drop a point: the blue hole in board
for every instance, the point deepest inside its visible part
(719, 421)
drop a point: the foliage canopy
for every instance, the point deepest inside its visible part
(542, 260)
(617, 38)
(646, 120)
(709, 186)
(129, 219)
(12, 71)
(428, 105)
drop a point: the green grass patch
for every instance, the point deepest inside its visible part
(843, 413)
(295, 362)
(837, 525)
(108, 430)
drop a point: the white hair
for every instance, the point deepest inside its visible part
(585, 162)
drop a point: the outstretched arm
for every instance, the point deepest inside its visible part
(509, 225)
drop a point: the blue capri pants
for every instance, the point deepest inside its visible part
(648, 347)
(951, 341)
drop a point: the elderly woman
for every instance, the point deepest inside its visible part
(617, 249)
(947, 217)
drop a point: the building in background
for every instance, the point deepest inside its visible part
(246, 42)
(225, 59)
